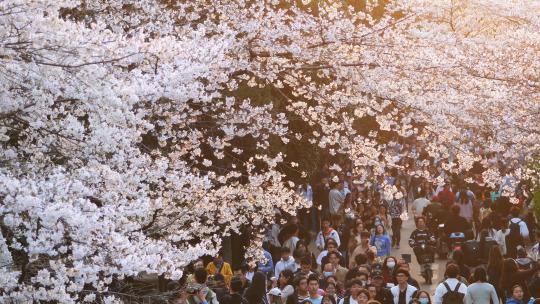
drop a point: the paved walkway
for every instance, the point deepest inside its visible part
(438, 267)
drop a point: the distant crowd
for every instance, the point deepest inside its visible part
(341, 249)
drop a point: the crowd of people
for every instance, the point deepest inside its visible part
(341, 250)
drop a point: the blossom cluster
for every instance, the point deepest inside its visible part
(133, 136)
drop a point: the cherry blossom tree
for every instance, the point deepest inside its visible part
(135, 135)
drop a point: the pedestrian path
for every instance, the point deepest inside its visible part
(438, 267)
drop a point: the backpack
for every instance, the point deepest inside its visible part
(515, 234)
(452, 296)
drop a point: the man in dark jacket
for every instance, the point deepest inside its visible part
(455, 222)
(235, 297)
(383, 294)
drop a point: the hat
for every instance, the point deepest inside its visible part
(275, 292)
(376, 274)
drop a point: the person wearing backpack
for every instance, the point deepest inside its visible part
(450, 291)
(511, 275)
(518, 233)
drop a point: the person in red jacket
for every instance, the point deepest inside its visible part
(446, 196)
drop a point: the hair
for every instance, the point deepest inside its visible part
(458, 256)
(305, 260)
(257, 290)
(326, 283)
(356, 282)
(200, 275)
(384, 230)
(514, 211)
(323, 265)
(326, 279)
(495, 258)
(236, 285)
(334, 253)
(364, 291)
(419, 218)
(365, 234)
(514, 287)
(366, 266)
(351, 274)
(360, 259)
(298, 279)
(313, 277)
(384, 267)
(509, 268)
(301, 242)
(330, 241)
(463, 197)
(420, 292)
(479, 275)
(288, 274)
(327, 298)
(455, 209)
(403, 271)
(285, 249)
(452, 270)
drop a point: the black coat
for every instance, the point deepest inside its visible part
(384, 296)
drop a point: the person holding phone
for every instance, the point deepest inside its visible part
(198, 292)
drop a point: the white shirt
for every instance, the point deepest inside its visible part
(419, 204)
(441, 290)
(321, 256)
(408, 293)
(282, 265)
(291, 243)
(523, 229)
(335, 199)
(319, 242)
(500, 238)
(353, 301)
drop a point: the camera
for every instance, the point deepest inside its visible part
(193, 289)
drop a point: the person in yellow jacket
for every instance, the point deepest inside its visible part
(220, 266)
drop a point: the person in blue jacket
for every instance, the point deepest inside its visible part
(267, 268)
(517, 296)
(381, 241)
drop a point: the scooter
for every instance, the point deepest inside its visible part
(425, 259)
(456, 242)
(442, 246)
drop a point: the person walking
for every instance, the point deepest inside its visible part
(451, 290)
(403, 292)
(494, 268)
(381, 241)
(480, 291)
(256, 292)
(516, 296)
(336, 198)
(395, 209)
(512, 275)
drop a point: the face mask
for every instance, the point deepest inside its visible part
(391, 264)
(328, 273)
(423, 300)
